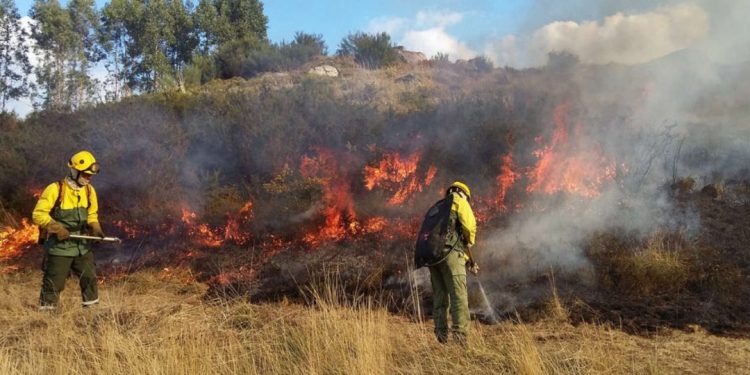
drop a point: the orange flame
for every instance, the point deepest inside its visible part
(14, 241)
(398, 175)
(505, 180)
(339, 213)
(232, 230)
(577, 169)
(200, 233)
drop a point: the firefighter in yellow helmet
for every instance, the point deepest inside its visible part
(448, 277)
(69, 206)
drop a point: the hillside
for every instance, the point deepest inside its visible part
(611, 202)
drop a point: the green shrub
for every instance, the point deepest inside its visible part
(370, 51)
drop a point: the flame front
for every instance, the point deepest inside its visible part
(398, 176)
(13, 241)
(340, 217)
(572, 167)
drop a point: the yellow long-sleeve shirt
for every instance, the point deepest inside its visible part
(468, 223)
(71, 199)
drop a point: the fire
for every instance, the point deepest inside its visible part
(232, 230)
(399, 176)
(505, 180)
(572, 167)
(129, 230)
(340, 217)
(14, 241)
(201, 233)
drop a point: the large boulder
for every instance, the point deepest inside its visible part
(325, 70)
(411, 57)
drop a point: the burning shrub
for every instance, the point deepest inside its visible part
(221, 201)
(287, 200)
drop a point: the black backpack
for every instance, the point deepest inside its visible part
(437, 236)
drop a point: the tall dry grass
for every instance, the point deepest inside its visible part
(149, 324)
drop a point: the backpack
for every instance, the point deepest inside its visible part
(42, 231)
(437, 236)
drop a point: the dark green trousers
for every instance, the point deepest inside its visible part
(449, 292)
(56, 270)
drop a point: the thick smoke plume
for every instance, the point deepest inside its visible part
(669, 105)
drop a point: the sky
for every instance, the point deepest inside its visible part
(334, 19)
(521, 33)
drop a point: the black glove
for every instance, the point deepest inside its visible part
(59, 230)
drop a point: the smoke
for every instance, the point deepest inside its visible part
(661, 91)
(620, 38)
(640, 33)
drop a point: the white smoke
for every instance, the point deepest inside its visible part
(670, 104)
(620, 38)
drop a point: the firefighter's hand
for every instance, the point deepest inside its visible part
(473, 267)
(96, 230)
(58, 230)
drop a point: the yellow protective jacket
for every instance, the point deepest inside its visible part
(77, 209)
(467, 223)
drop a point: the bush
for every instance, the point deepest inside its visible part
(248, 58)
(370, 51)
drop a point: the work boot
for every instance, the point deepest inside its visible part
(442, 337)
(461, 339)
(88, 304)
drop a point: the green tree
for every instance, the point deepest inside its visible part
(66, 41)
(84, 53)
(14, 62)
(54, 38)
(219, 22)
(152, 29)
(184, 41)
(313, 43)
(115, 38)
(371, 51)
(240, 19)
(205, 20)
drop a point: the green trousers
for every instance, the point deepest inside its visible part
(449, 292)
(56, 270)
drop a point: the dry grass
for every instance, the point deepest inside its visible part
(149, 325)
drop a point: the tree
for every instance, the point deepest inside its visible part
(14, 62)
(239, 19)
(218, 22)
(370, 51)
(183, 42)
(54, 37)
(66, 40)
(115, 39)
(205, 20)
(313, 42)
(84, 53)
(152, 29)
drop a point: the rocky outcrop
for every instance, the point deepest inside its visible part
(325, 70)
(411, 57)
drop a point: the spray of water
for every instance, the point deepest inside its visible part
(489, 311)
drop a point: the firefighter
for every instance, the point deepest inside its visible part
(448, 277)
(69, 206)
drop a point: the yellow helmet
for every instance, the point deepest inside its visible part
(84, 161)
(462, 186)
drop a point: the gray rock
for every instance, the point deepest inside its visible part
(325, 70)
